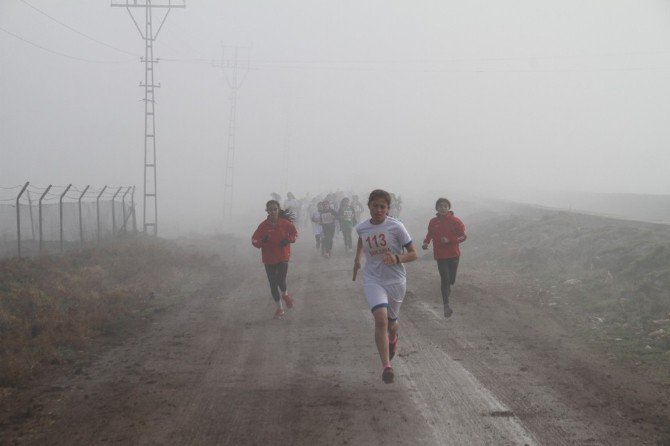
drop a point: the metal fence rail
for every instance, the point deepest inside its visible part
(35, 219)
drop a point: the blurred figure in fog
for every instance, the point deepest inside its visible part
(446, 231)
(358, 207)
(328, 219)
(274, 237)
(394, 210)
(316, 225)
(347, 220)
(293, 206)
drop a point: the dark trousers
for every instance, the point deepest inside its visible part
(277, 278)
(346, 234)
(327, 240)
(447, 269)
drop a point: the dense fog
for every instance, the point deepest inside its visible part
(508, 99)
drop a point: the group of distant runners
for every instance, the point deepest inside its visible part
(382, 239)
(328, 215)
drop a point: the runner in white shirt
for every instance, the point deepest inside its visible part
(386, 244)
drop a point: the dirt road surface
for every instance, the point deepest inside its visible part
(217, 369)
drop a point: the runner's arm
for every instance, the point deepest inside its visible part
(427, 238)
(357, 259)
(257, 238)
(409, 255)
(292, 233)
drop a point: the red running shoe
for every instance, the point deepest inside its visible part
(288, 299)
(279, 313)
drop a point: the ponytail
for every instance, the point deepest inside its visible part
(283, 213)
(286, 215)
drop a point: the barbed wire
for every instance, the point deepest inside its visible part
(34, 194)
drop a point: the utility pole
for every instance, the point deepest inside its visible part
(287, 153)
(150, 219)
(234, 72)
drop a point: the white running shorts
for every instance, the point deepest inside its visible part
(389, 296)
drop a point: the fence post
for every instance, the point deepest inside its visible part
(123, 206)
(97, 210)
(18, 216)
(40, 214)
(114, 211)
(30, 206)
(60, 215)
(81, 224)
(132, 208)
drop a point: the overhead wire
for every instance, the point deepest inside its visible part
(429, 66)
(288, 64)
(77, 31)
(43, 48)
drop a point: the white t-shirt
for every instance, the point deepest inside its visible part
(389, 236)
(292, 205)
(316, 217)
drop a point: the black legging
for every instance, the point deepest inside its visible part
(447, 269)
(277, 278)
(346, 233)
(327, 240)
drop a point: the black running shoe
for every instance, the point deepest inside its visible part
(387, 374)
(448, 311)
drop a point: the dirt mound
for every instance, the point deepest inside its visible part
(608, 279)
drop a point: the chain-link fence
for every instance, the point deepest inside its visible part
(56, 218)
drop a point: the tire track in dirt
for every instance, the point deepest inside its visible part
(460, 409)
(294, 381)
(494, 339)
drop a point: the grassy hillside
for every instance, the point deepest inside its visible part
(607, 277)
(53, 307)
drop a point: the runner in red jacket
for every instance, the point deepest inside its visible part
(274, 237)
(446, 231)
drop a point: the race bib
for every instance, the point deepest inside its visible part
(377, 244)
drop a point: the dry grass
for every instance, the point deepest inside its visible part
(52, 307)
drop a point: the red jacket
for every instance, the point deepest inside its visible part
(271, 248)
(447, 226)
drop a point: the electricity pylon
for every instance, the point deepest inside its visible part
(149, 36)
(234, 72)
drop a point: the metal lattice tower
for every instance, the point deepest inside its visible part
(235, 79)
(149, 219)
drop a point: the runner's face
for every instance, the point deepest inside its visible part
(443, 208)
(273, 211)
(378, 210)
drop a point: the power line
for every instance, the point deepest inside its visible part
(77, 31)
(461, 59)
(401, 66)
(149, 35)
(81, 59)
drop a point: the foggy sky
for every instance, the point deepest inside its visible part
(441, 96)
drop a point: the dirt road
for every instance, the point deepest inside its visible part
(217, 369)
